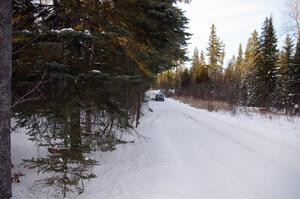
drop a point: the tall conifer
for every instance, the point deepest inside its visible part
(215, 53)
(249, 82)
(284, 64)
(294, 76)
(267, 63)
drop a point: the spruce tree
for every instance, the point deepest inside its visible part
(229, 75)
(222, 55)
(215, 53)
(239, 65)
(284, 64)
(230, 80)
(91, 57)
(195, 64)
(198, 72)
(249, 81)
(185, 78)
(239, 72)
(267, 64)
(202, 71)
(178, 77)
(294, 77)
(202, 58)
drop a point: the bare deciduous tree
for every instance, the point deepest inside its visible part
(293, 15)
(5, 97)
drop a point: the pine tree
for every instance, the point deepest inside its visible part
(239, 65)
(252, 51)
(198, 72)
(249, 82)
(167, 80)
(100, 65)
(195, 64)
(294, 76)
(267, 64)
(202, 71)
(222, 55)
(284, 64)
(238, 73)
(215, 53)
(178, 76)
(231, 82)
(202, 58)
(229, 75)
(185, 78)
(195, 59)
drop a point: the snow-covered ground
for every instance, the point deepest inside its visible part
(187, 153)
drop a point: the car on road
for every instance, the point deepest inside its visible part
(159, 97)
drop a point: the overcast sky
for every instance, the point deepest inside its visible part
(235, 21)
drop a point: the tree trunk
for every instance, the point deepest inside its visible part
(5, 98)
(75, 133)
(138, 107)
(88, 121)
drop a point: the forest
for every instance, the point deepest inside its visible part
(260, 75)
(77, 80)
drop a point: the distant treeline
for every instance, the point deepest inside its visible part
(260, 76)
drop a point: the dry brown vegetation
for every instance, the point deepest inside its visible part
(217, 106)
(205, 104)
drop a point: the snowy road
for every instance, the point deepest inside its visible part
(192, 153)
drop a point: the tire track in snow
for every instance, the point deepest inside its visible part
(291, 174)
(224, 166)
(235, 127)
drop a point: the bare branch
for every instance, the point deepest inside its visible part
(293, 16)
(29, 43)
(26, 98)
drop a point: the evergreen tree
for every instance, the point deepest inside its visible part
(195, 59)
(239, 65)
(195, 64)
(215, 53)
(167, 80)
(229, 75)
(294, 76)
(178, 76)
(238, 73)
(252, 52)
(198, 72)
(282, 72)
(202, 76)
(222, 55)
(230, 80)
(202, 58)
(185, 78)
(249, 81)
(267, 64)
(94, 58)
